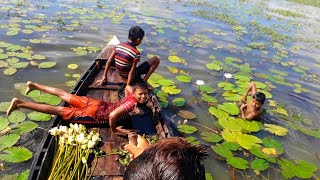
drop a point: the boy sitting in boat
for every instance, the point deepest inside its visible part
(126, 57)
(252, 109)
(85, 110)
(170, 158)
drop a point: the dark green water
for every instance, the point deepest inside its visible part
(192, 30)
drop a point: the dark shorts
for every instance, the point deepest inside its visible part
(142, 69)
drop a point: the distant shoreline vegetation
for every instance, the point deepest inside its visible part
(307, 2)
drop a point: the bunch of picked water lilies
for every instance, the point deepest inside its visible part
(75, 145)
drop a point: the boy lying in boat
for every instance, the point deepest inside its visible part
(252, 109)
(170, 158)
(85, 110)
(126, 56)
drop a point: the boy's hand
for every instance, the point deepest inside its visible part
(135, 151)
(243, 106)
(243, 99)
(101, 82)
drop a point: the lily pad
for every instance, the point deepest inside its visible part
(71, 83)
(173, 69)
(8, 140)
(211, 137)
(218, 113)
(258, 153)
(72, 66)
(20, 65)
(272, 143)
(208, 98)
(171, 89)
(187, 129)
(3, 123)
(230, 124)
(230, 108)
(183, 78)
(10, 71)
(230, 136)
(47, 98)
(17, 116)
(38, 116)
(46, 65)
(207, 89)
(213, 66)
(192, 140)
(186, 114)
(259, 164)
(238, 163)
(277, 130)
(179, 102)
(16, 155)
(248, 141)
(222, 150)
(166, 82)
(176, 59)
(281, 110)
(231, 145)
(24, 127)
(4, 106)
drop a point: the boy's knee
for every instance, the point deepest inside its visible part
(155, 60)
(252, 84)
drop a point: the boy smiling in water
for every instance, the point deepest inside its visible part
(252, 109)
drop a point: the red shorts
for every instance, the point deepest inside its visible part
(80, 107)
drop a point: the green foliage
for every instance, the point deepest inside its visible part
(16, 155)
(274, 129)
(24, 175)
(179, 102)
(314, 133)
(186, 114)
(187, 129)
(302, 169)
(208, 98)
(230, 136)
(46, 65)
(176, 59)
(222, 150)
(38, 116)
(230, 124)
(24, 127)
(16, 116)
(192, 140)
(208, 176)
(258, 153)
(248, 141)
(213, 66)
(3, 122)
(206, 89)
(218, 113)
(211, 137)
(259, 164)
(238, 163)
(231, 145)
(72, 66)
(230, 108)
(10, 71)
(272, 143)
(47, 98)
(171, 89)
(8, 140)
(184, 78)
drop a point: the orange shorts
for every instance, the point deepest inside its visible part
(80, 107)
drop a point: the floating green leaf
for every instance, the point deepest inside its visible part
(3, 123)
(24, 175)
(281, 110)
(8, 140)
(272, 143)
(176, 59)
(231, 124)
(16, 155)
(72, 66)
(17, 116)
(242, 78)
(186, 114)
(259, 164)
(166, 82)
(238, 163)
(231, 145)
(24, 127)
(171, 89)
(213, 66)
(38, 116)
(222, 150)
(47, 98)
(281, 73)
(257, 152)
(187, 129)
(4, 106)
(183, 78)
(249, 126)
(207, 89)
(211, 137)
(71, 83)
(45, 65)
(218, 113)
(10, 71)
(277, 130)
(20, 65)
(248, 141)
(192, 140)
(173, 69)
(208, 176)
(179, 102)
(314, 133)
(230, 136)
(230, 108)
(208, 98)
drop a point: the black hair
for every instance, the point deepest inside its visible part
(135, 33)
(139, 83)
(169, 159)
(259, 96)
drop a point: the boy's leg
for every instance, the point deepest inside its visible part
(16, 103)
(148, 67)
(64, 96)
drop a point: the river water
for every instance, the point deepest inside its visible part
(192, 30)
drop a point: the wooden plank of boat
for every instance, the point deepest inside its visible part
(107, 167)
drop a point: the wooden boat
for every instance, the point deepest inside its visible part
(107, 167)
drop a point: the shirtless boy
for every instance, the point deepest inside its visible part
(85, 110)
(252, 109)
(126, 57)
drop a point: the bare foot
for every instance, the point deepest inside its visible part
(29, 87)
(13, 106)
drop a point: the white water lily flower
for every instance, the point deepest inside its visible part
(96, 138)
(80, 138)
(76, 128)
(185, 122)
(84, 146)
(63, 129)
(70, 140)
(228, 75)
(91, 144)
(84, 160)
(54, 131)
(200, 82)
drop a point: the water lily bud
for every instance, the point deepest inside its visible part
(96, 138)
(91, 144)
(84, 160)
(70, 140)
(54, 131)
(63, 129)
(80, 138)
(84, 146)
(185, 121)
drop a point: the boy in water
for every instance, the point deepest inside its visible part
(252, 109)
(126, 57)
(85, 110)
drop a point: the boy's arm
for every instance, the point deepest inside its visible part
(106, 69)
(252, 88)
(113, 117)
(132, 72)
